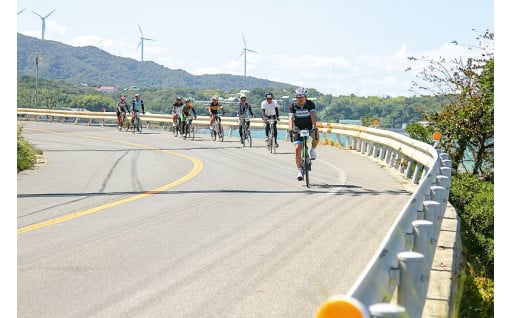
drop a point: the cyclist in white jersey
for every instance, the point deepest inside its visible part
(270, 109)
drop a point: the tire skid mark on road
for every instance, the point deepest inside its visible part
(198, 166)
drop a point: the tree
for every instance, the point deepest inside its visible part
(467, 121)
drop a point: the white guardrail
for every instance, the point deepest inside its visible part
(396, 280)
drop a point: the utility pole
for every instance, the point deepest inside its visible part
(37, 77)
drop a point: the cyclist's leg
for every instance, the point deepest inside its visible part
(267, 129)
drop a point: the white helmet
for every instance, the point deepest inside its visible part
(242, 96)
(300, 92)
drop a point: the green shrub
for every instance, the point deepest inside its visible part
(474, 201)
(26, 155)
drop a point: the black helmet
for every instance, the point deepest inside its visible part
(269, 95)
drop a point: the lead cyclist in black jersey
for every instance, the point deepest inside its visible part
(302, 114)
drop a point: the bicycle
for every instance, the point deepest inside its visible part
(246, 131)
(136, 122)
(305, 160)
(190, 128)
(217, 130)
(271, 142)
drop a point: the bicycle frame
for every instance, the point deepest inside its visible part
(175, 125)
(246, 131)
(121, 120)
(217, 128)
(136, 123)
(271, 143)
(190, 130)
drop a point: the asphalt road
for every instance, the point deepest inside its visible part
(116, 224)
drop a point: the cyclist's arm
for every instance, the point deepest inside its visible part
(277, 112)
(313, 118)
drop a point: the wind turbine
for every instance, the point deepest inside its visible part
(244, 53)
(21, 11)
(141, 44)
(43, 19)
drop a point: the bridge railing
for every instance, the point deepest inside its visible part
(396, 280)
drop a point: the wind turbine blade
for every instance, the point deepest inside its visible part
(149, 39)
(140, 29)
(20, 12)
(50, 13)
(243, 38)
(37, 14)
(252, 51)
(243, 51)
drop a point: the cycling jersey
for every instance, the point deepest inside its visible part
(137, 105)
(121, 108)
(241, 109)
(215, 107)
(186, 110)
(176, 108)
(270, 109)
(302, 115)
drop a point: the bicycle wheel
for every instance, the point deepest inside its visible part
(305, 165)
(192, 132)
(139, 125)
(274, 147)
(249, 137)
(175, 129)
(186, 132)
(221, 133)
(213, 133)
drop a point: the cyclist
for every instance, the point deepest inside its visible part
(213, 109)
(121, 110)
(137, 107)
(176, 113)
(186, 111)
(270, 109)
(241, 111)
(302, 114)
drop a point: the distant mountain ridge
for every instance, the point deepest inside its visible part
(93, 66)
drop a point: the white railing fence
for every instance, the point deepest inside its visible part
(396, 280)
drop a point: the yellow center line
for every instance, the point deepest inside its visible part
(198, 166)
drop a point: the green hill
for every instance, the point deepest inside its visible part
(94, 67)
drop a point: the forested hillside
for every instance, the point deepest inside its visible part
(391, 112)
(94, 67)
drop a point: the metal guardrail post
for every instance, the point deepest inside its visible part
(432, 210)
(423, 239)
(412, 288)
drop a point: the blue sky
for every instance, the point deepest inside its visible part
(338, 47)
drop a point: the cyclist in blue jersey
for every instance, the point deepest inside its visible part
(137, 107)
(243, 108)
(302, 115)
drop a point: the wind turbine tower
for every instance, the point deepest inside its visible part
(43, 20)
(244, 53)
(141, 43)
